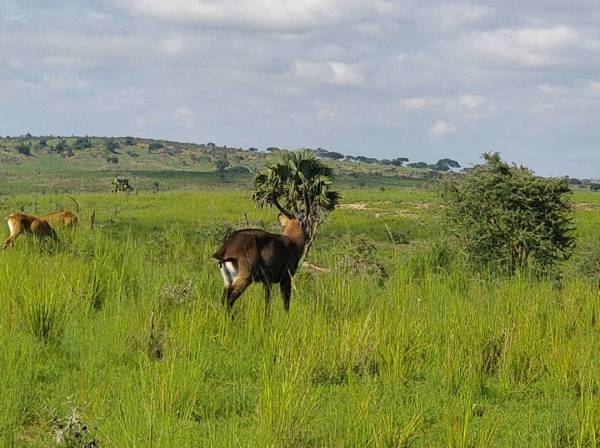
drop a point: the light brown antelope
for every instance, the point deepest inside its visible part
(252, 255)
(19, 223)
(64, 218)
(61, 219)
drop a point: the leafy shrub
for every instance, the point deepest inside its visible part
(239, 169)
(72, 431)
(61, 146)
(24, 149)
(121, 184)
(154, 146)
(506, 216)
(82, 143)
(112, 146)
(221, 165)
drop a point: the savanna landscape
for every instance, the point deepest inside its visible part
(115, 336)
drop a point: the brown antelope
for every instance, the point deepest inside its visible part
(61, 219)
(19, 223)
(251, 255)
(64, 218)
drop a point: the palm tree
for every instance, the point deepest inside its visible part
(298, 184)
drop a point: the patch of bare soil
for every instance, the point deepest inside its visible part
(586, 206)
(354, 206)
(421, 205)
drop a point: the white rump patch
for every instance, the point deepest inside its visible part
(11, 226)
(228, 272)
(231, 270)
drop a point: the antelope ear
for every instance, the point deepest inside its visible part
(283, 220)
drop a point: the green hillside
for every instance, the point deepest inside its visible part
(88, 164)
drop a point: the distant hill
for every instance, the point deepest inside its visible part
(53, 163)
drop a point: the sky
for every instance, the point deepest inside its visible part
(417, 79)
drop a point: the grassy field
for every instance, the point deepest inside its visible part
(398, 345)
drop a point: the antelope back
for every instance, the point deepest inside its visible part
(263, 255)
(61, 219)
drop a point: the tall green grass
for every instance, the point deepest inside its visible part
(125, 322)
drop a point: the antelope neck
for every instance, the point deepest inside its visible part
(295, 233)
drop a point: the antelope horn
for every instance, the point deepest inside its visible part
(74, 200)
(281, 209)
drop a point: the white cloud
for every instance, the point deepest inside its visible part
(441, 129)
(186, 118)
(458, 15)
(346, 73)
(417, 103)
(173, 45)
(66, 82)
(453, 104)
(185, 113)
(593, 88)
(471, 101)
(528, 47)
(335, 73)
(284, 15)
(554, 89)
(330, 72)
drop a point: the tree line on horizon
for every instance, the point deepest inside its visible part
(67, 146)
(62, 147)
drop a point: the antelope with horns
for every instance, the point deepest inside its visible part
(63, 218)
(252, 255)
(19, 223)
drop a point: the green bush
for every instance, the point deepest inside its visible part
(153, 146)
(506, 216)
(24, 149)
(82, 143)
(112, 146)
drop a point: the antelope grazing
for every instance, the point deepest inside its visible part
(251, 255)
(61, 219)
(64, 218)
(19, 223)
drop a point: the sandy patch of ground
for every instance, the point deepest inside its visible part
(354, 206)
(586, 206)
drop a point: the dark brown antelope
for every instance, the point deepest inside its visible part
(19, 223)
(252, 255)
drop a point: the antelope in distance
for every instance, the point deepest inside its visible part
(254, 255)
(63, 218)
(19, 223)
